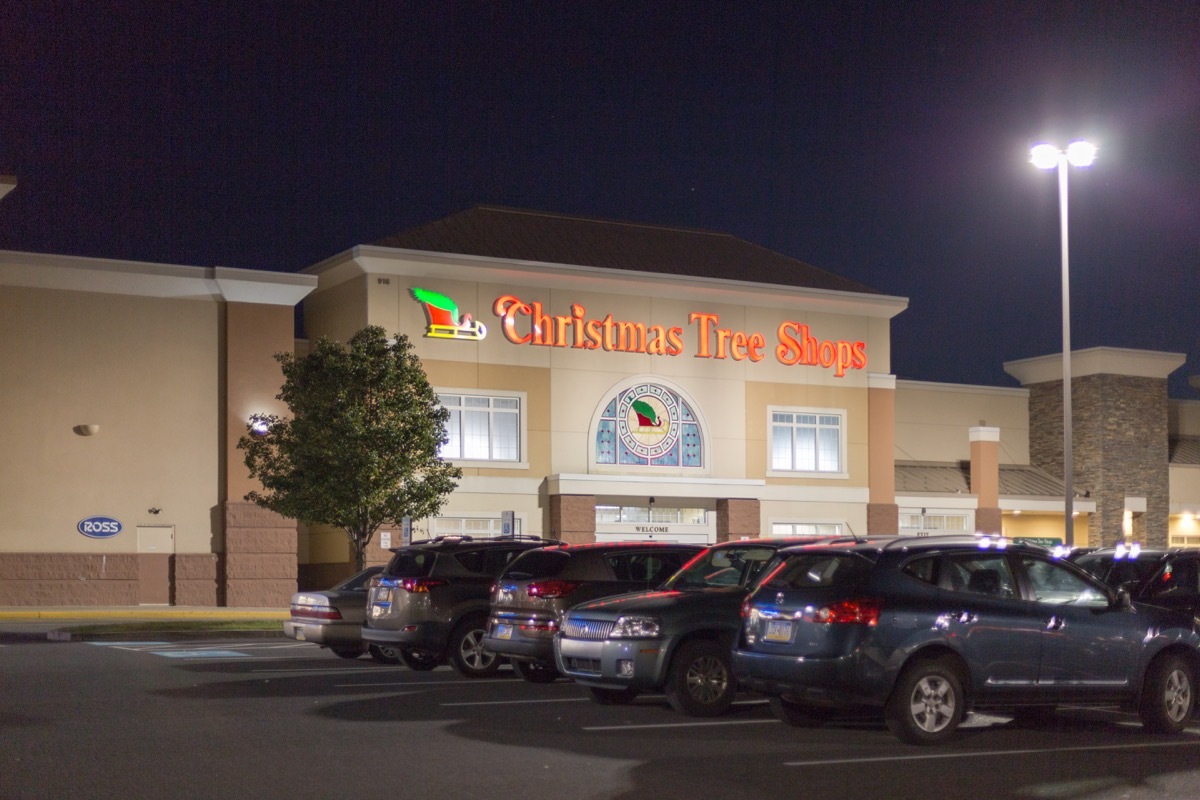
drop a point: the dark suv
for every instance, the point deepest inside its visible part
(536, 589)
(431, 600)
(931, 628)
(1169, 577)
(677, 639)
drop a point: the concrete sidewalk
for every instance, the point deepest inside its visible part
(82, 623)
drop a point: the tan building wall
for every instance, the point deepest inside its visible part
(122, 403)
(932, 420)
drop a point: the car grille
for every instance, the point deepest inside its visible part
(587, 629)
(590, 666)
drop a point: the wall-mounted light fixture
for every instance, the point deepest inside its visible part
(87, 430)
(153, 510)
(259, 426)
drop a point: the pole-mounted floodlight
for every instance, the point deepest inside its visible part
(1047, 156)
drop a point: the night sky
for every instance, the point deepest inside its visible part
(886, 142)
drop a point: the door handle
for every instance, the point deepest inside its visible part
(1055, 623)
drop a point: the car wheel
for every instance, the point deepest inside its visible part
(466, 650)
(534, 671)
(1168, 695)
(347, 652)
(799, 715)
(419, 660)
(700, 682)
(927, 703)
(385, 653)
(612, 697)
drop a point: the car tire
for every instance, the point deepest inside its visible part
(927, 703)
(466, 651)
(534, 671)
(799, 715)
(1168, 695)
(385, 653)
(419, 660)
(346, 652)
(612, 697)
(700, 682)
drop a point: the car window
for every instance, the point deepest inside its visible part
(358, 582)
(537, 564)
(722, 566)
(983, 574)
(411, 564)
(923, 569)
(819, 570)
(1177, 577)
(1053, 583)
(1117, 572)
(497, 558)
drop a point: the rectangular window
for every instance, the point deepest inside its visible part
(807, 441)
(482, 428)
(813, 529)
(662, 516)
(933, 522)
(475, 527)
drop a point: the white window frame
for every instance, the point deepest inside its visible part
(933, 521)
(843, 471)
(522, 461)
(478, 526)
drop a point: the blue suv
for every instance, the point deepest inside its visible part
(930, 628)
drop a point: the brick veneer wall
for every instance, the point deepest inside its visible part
(737, 518)
(260, 557)
(196, 580)
(1119, 441)
(571, 518)
(65, 579)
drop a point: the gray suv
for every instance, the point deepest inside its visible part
(677, 639)
(537, 588)
(431, 601)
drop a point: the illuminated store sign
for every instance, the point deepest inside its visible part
(530, 324)
(99, 527)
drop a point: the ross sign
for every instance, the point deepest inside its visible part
(99, 527)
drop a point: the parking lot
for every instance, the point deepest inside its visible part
(274, 718)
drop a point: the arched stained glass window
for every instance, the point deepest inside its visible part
(651, 426)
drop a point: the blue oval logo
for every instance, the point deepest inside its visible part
(99, 527)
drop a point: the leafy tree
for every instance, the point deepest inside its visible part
(360, 449)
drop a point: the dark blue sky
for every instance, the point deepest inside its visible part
(887, 142)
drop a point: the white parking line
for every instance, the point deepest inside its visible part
(681, 725)
(520, 702)
(990, 753)
(416, 684)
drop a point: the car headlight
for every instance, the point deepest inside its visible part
(636, 628)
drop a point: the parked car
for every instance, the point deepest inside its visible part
(1162, 577)
(676, 639)
(333, 618)
(431, 600)
(537, 588)
(929, 629)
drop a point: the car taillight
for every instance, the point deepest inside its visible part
(862, 612)
(549, 590)
(746, 608)
(316, 612)
(419, 585)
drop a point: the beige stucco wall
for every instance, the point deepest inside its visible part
(145, 369)
(933, 421)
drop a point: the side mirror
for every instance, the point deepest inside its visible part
(1124, 601)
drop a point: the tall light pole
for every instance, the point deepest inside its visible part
(1047, 156)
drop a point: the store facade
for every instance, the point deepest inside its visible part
(605, 381)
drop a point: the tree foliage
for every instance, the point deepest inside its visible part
(360, 448)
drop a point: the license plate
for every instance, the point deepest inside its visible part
(299, 633)
(778, 630)
(504, 631)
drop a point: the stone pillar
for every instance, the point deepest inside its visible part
(260, 557)
(985, 478)
(883, 514)
(738, 518)
(1119, 433)
(572, 518)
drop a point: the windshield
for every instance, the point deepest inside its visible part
(721, 567)
(1117, 572)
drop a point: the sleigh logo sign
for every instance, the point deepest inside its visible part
(444, 320)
